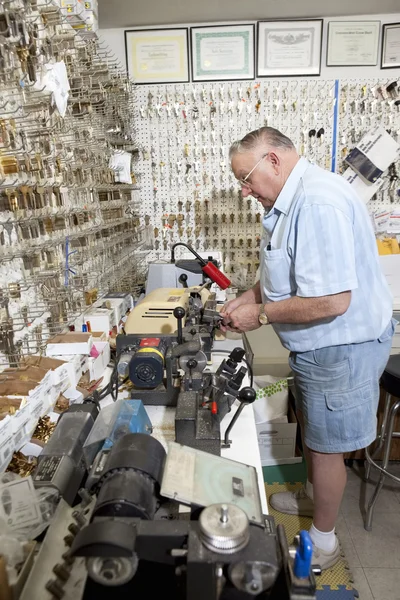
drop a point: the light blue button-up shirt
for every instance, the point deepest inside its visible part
(317, 241)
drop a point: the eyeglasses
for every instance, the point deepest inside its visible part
(244, 181)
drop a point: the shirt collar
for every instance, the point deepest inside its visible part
(284, 200)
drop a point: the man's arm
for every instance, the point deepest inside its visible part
(307, 310)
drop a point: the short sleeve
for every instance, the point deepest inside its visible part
(324, 254)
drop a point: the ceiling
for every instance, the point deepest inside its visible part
(131, 13)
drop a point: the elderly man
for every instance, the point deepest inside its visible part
(322, 290)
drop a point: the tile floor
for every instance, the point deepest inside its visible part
(373, 557)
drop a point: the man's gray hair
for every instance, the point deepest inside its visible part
(265, 136)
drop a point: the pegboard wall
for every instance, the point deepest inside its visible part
(184, 132)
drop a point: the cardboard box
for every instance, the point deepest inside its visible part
(45, 388)
(63, 372)
(99, 336)
(277, 442)
(69, 343)
(98, 365)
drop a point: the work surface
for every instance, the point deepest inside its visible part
(244, 447)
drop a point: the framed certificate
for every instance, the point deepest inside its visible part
(291, 47)
(157, 55)
(222, 52)
(390, 58)
(352, 43)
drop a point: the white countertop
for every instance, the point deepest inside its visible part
(244, 447)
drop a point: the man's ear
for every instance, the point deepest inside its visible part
(275, 161)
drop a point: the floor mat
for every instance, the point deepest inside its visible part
(332, 584)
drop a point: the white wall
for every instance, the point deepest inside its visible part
(115, 40)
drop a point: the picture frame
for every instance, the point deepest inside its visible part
(157, 55)
(289, 47)
(223, 52)
(390, 55)
(352, 43)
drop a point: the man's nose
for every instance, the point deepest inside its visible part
(245, 191)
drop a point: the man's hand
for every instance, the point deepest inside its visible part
(248, 297)
(241, 319)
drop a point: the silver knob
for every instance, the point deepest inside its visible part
(224, 528)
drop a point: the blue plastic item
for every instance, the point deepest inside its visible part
(131, 418)
(303, 557)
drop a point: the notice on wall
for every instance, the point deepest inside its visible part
(373, 154)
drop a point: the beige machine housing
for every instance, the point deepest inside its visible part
(155, 313)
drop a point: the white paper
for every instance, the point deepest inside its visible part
(363, 188)
(56, 80)
(390, 264)
(120, 163)
(353, 42)
(394, 222)
(18, 506)
(391, 51)
(381, 220)
(219, 54)
(373, 154)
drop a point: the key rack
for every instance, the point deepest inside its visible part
(69, 229)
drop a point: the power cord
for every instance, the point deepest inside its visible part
(112, 386)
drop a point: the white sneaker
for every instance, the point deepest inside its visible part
(325, 559)
(293, 503)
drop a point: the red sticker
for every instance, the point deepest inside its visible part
(153, 342)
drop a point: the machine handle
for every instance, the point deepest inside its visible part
(303, 556)
(183, 280)
(246, 396)
(179, 314)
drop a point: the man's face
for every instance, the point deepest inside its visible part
(262, 183)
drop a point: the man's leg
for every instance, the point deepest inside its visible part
(329, 481)
(306, 451)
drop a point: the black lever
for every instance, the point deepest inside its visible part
(179, 314)
(246, 396)
(183, 280)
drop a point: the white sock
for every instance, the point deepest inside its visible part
(325, 540)
(309, 490)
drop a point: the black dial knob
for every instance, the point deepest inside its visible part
(179, 312)
(191, 363)
(247, 395)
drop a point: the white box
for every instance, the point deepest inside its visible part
(78, 365)
(38, 407)
(396, 337)
(6, 443)
(46, 393)
(101, 319)
(277, 441)
(120, 302)
(98, 365)
(74, 396)
(69, 343)
(20, 425)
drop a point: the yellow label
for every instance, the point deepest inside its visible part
(151, 350)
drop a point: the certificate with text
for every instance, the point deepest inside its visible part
(222, 52)
(353, 43)
(289, 48)
(157, 55)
